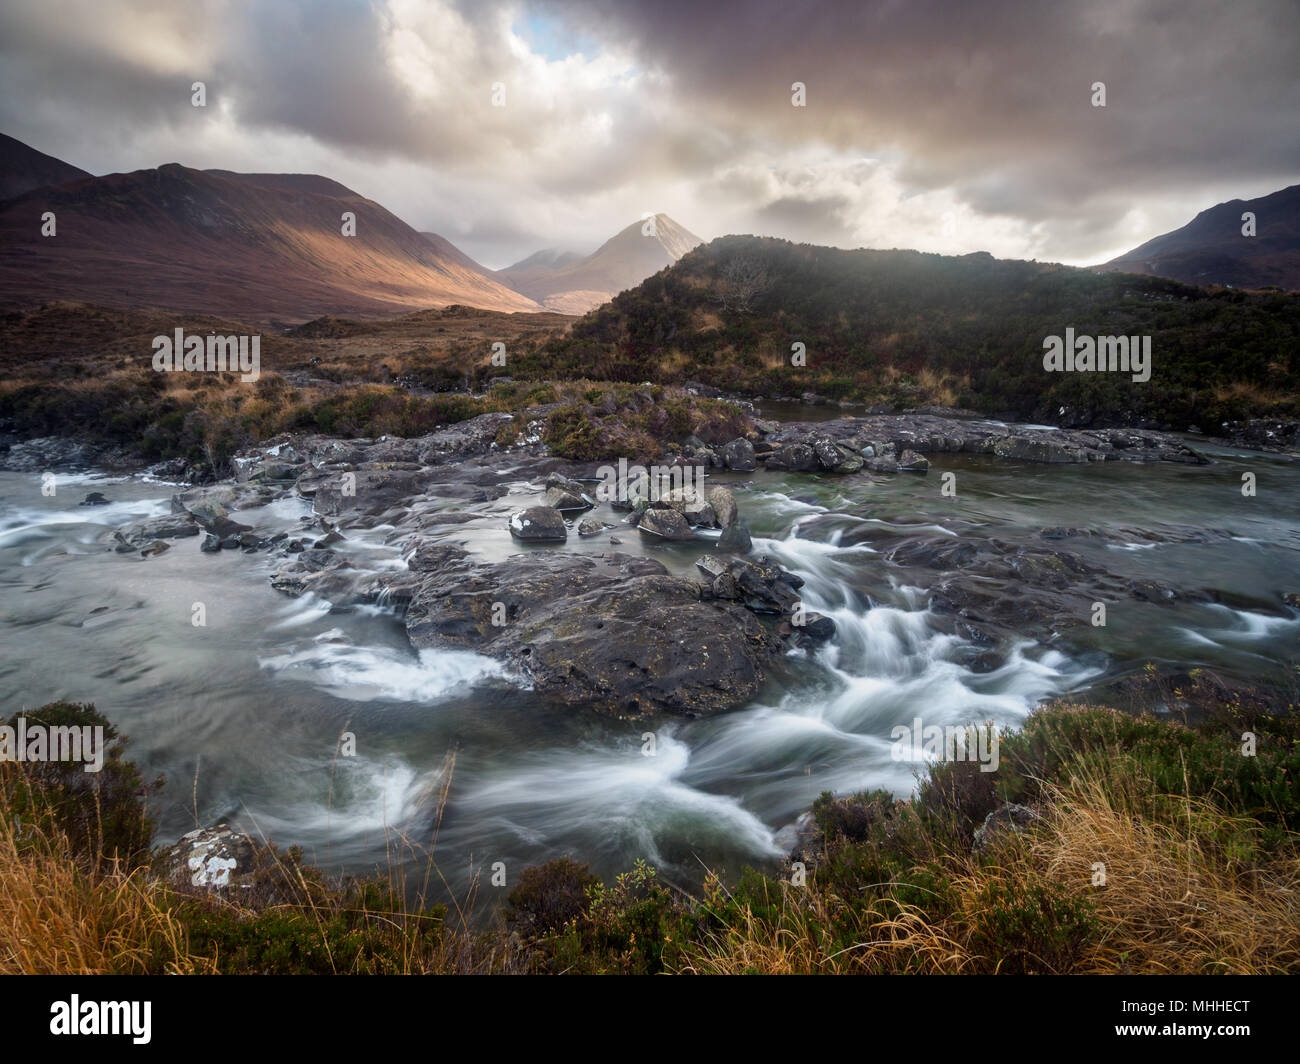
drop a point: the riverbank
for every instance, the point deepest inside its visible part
(1105, 843)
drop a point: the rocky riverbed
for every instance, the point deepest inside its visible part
(619, 633)
(768, 618)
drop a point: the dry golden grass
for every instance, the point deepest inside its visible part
(61, 916)
(704, 319)
(1256, 396)
(1174, 901)
(58, 918)
(803, 944)
(942, 388)
(1188, 889)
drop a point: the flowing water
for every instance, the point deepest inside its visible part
(243, 715)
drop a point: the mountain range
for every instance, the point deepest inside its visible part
(271, 248)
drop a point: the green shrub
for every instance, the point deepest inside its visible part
(549, 896)
(1031, 929)
(102, 813)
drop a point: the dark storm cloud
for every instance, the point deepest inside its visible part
(993, 98)
(914, 109)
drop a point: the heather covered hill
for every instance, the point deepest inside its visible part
(1212, 250)
(259, 247)
(906, 327)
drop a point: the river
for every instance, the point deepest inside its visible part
(243, 715)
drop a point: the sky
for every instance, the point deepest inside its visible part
(944, 125)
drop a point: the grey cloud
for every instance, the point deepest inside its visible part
(986, 103)
(823, 220)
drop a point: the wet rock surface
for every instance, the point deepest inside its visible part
(539, 524)
(215, 859)
(618, 634)
(894, 435)
(142, 533)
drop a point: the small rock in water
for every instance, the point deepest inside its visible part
(690, 503)
(95, 498)
(736, 539)
(563, 499)
(538, 524)
(911, 462)
(724, 506)
(142, 533)
(589, 526)
(665, 523)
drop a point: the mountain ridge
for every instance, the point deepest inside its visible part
(258, 247)
(23, 168)
(1211, 248)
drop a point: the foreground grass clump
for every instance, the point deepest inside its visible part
(74, 894)
(1159, 849)
(78, 894)
(1144, 845)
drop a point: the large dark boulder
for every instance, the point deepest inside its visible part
(1038, 449)
(617, 634)
(735, 539)
(795, 457)
(738, 455)
(759, 585)
(367, 491)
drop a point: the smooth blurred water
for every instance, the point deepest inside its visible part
(243, 716)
